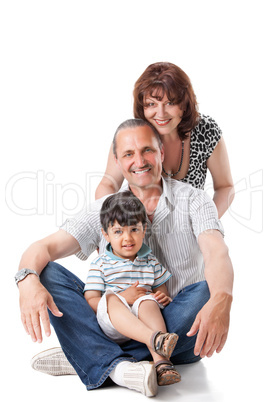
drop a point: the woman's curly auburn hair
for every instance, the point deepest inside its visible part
(160, 79)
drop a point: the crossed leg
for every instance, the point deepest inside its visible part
(145, 329)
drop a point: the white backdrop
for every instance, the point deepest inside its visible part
(67, 73)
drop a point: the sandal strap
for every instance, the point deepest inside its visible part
(164, 343)
(166, 373)
(156, 346)
(167, 363)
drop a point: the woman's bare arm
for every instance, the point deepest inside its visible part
(112, 179)
(218, 164)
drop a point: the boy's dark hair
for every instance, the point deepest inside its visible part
(123, 207)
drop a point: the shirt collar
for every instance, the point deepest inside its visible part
(166, 186)
(166, 199)
(142, 253)
(167, 193)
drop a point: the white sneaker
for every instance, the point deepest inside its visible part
(141, 377)
(52, 361)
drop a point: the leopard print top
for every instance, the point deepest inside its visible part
(204, 138)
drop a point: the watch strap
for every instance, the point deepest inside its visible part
(22, 273)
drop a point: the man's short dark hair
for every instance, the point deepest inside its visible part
(123, 207)
(134, 123)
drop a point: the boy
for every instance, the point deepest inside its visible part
(126, 285)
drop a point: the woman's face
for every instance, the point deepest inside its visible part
(162, 114)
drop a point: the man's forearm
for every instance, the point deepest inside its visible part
(57, 245)
(218, 265)
(34, 298)
(212, 322)
(36, 257)
(219, 274)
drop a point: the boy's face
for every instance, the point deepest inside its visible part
(126, 241)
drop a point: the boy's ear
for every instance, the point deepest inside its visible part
(106, 236)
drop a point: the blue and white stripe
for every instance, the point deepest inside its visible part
(110, 272)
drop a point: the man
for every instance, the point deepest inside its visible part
(183, 232)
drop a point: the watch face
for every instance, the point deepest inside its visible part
(22, 273)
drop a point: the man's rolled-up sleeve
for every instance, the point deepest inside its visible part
(203, 213)
(85, 228)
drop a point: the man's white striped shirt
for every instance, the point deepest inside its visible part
(182, 213)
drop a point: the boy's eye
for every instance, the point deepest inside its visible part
(117, 232)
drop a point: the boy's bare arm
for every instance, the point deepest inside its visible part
(93, 297)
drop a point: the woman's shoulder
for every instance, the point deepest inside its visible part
(207, 128)
(206, 122)
(205, 136)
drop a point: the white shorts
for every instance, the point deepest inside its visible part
(104, 319)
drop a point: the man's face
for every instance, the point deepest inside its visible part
(139, 156)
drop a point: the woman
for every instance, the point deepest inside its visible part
(193, 142)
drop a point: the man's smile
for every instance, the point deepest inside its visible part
(142, 170)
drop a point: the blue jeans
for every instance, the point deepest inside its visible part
(90, 352)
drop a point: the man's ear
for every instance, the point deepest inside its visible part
(116, 161)
(106, 236)
(144, 229)
(162, 153)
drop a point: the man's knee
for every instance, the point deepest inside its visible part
(195, 295)
(54, 275)
(49, 272)
(180, 314)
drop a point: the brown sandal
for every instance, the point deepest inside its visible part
(164, 343)
(166, 373)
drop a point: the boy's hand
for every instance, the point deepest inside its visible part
(162, 298)
(132, 293)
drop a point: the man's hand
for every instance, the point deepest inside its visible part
(34, 301)
(133, 292)
(212, 325)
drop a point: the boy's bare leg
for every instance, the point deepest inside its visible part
(140, 329)
(127, 323)
(150, 314)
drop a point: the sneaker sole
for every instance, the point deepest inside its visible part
(53, 362)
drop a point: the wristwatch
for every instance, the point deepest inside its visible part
(20, 275)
